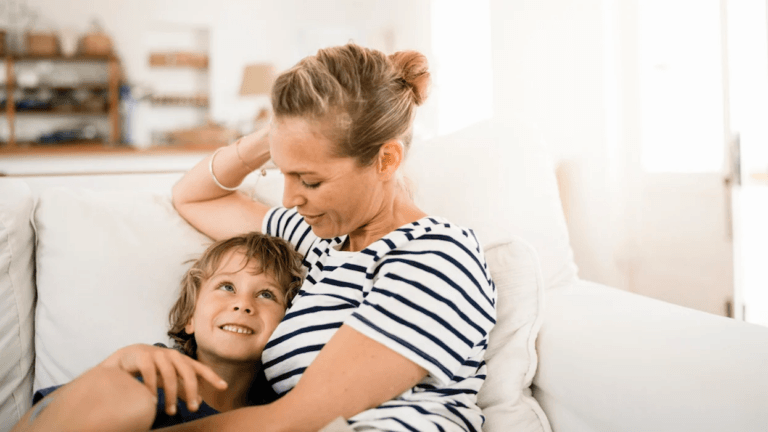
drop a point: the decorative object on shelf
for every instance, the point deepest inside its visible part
(127, 105)
(174, 100)
(179, 59)
(84, 132)
(28, 78)
(68, 39)
(42, 44)
(209, 135)
(96, 102)
(96, 42)
(257, 81)
(50, 90)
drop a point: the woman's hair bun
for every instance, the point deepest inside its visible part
(414, 70)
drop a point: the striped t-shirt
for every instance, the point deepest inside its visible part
(423, 290)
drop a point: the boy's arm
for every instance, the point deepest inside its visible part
(109, 397)
(103, 398)
(166, 368)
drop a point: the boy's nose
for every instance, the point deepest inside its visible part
(246, 310)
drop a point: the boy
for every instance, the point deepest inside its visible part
(230, 302)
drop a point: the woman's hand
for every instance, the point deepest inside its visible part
(165, 368)
(222, 213)
(253, 149)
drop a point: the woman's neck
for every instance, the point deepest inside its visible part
(400, 211)
(239, 378)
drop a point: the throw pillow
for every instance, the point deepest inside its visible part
(505, 397)
(17, 292)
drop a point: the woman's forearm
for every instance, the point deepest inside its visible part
(257, 418)
(230, 166)
(103, 398)
(351, 374)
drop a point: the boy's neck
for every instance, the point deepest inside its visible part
(239, 377)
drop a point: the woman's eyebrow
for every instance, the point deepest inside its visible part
(300, 173)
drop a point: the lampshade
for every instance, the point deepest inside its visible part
(257, 79)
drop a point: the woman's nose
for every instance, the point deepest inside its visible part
(291, 196)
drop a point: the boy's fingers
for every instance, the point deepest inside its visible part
(170, 384)
(209, 375)
(149, 375)
(188, 379)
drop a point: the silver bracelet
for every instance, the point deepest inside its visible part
(213, 176)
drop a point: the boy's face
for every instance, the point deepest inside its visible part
(236, 312)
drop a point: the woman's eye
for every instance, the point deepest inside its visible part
(310, 185)
(227, 287)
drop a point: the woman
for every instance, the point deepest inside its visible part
(391, 324)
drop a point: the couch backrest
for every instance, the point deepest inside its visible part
(496, 178)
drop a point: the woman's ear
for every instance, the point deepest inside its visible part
(390, 159)
(190, 327)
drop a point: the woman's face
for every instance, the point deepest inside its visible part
(335, 195)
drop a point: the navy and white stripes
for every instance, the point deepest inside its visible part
(423, 290)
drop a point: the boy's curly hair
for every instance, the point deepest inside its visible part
(273, 255)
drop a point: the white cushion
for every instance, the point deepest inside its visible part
(498, 180)
(505, 397)
(108, 271)
(17, 292)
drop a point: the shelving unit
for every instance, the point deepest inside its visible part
(112, 87)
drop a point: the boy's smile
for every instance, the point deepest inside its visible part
(237, 310)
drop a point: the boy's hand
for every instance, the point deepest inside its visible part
(165, 368)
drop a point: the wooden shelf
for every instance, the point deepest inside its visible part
(77, 58)
(111, 111)
(85, 148)
(50, 111)
(84, 86)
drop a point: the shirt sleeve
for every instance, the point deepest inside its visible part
(40, 394)
(289, 225)
(432, 301)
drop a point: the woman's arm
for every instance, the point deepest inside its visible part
(104, 398)
(351, 373)
(109, 397)
(216, 212)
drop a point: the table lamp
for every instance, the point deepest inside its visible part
(257, 81)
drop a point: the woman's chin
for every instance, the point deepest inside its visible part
(322, 233)
(325, 231)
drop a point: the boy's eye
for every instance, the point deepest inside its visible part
(268, 295)
(226, 286)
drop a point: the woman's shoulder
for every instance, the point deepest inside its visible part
(437, 229)
(433, 235)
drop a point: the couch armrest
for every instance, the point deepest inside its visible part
(611, 360)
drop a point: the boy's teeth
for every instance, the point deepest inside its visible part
(236, 329)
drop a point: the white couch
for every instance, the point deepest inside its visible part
(91, 263)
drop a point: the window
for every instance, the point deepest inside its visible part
(681, 80)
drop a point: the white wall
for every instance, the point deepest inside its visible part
(549, 72)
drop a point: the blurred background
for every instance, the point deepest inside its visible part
(655, 112)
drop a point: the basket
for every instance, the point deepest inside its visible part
(95, 44)
(42, 44)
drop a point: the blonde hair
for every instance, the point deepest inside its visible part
(366, 97)
(273, 255)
